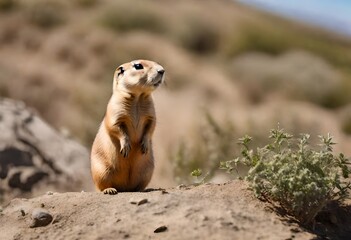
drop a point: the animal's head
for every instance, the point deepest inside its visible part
(141, 76)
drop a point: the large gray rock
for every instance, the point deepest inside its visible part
(34, 158)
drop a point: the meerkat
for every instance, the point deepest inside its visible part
(122, 157)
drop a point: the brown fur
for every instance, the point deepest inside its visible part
(122, 157)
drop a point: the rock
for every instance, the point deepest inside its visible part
(160, 229)
(36, 158)
(40, 218)
(139, 201)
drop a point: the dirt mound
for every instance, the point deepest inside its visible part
(35, 158)
(205, 212)
(210, 211)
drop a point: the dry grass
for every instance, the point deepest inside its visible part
(300, 76)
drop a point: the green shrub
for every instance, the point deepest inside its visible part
(302, 180)
(198, 177)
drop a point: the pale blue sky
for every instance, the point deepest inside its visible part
(331, 14)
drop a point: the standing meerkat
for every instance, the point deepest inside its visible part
(121, 156)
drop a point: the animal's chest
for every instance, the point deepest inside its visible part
(138, 115)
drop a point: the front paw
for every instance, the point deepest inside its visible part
(125, 149)
(144, 146)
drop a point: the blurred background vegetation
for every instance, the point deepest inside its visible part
(231, 70)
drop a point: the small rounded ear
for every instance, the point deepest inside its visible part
(120, 71)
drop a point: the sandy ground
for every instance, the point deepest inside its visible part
(210, 211)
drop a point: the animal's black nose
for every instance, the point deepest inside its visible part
(161, 71)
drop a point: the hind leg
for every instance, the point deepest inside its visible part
(101, 178)
(106, 188)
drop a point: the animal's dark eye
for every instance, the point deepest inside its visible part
(138, 66)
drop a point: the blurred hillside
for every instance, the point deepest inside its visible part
(230, 70)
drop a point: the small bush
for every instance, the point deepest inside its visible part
(199, 36)
(345, 119)
(47, 14)
(302, 180)
(346, 126)
(86, 3)
(6, 5)
(4, 91)
(134, 18)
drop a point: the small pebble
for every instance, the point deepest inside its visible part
(295, 230)
(160, 229)
(226, 224)
(40, 218)
(159, 212)
(181, 186)
(138, 201)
